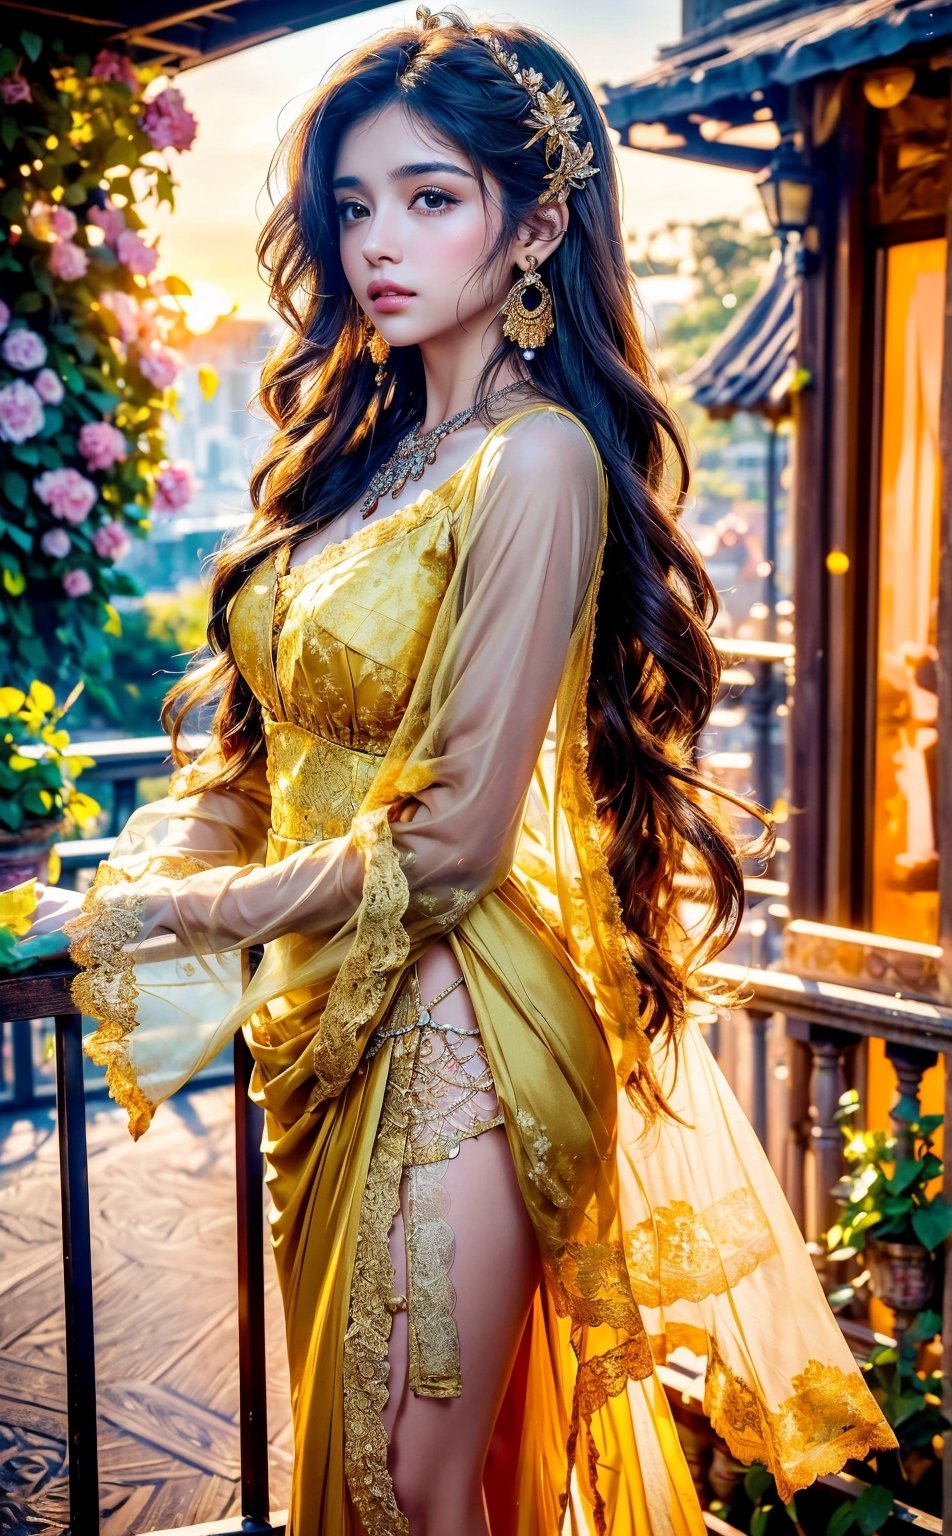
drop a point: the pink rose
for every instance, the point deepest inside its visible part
(21, 412)
(174, 487)
(109, 220)
(111, 541)
(77, 583)
(135, 254)
(160, 365)
(4, 315)
(23, 349)
(68, 261)
(136, 323)
(49, 386)
(114, 66)
(67, 493)
(125, 311)
(15, 89)
(167, 121)
(102, 445)
(56, 543)
(64, 223)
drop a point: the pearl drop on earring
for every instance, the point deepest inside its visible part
(528, 353)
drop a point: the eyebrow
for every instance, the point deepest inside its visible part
(404, 173)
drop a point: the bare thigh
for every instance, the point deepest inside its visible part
(439, 1445)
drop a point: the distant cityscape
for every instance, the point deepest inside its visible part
(222, 438)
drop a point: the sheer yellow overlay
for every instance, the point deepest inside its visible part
(437, 661)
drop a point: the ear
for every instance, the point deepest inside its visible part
(540, 233)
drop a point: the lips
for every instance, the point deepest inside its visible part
(382, 288)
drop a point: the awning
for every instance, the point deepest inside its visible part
(752, 363)
(176, 36)
(750, 48)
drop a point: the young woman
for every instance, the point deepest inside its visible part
(458, 806)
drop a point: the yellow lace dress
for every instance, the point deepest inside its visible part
(439, 659)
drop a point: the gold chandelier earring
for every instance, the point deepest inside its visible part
(379, 351)
(528, 327)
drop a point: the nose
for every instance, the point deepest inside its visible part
(380, 238)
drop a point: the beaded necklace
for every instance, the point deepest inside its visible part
(413, 453)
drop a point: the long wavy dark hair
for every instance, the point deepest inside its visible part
(669, 831)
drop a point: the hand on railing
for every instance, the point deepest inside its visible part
(24, 942)
(54, 907)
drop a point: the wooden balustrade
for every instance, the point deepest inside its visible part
(45, 993)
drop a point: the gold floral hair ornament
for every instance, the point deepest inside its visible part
(553, 117)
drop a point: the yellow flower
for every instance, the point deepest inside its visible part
(42, 696)
(17, 907)
(11, 700)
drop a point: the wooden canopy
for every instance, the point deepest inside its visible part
(752, 363)
(750, 56)
(175, 36)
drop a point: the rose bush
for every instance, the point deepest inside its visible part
(88, 354)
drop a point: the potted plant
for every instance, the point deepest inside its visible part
(39, 802)
(888, 1212)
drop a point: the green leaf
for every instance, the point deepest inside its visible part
(28, 303)
(926, 1326)
(32, 45)
(15, 489)
(8, 61)
(757, 1481)
(874, 1505)
(759, 1520)
(30, 951)
(8, 131)
(120, 152)
(906, 1173)
(19, 536)
(840, 1521)
(932, 1224)
(11, 204)
(11, 815)
(927, 1125)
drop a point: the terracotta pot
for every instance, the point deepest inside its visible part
(903, 1275)
(25, 855)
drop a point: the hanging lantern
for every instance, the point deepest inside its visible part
(786, 190)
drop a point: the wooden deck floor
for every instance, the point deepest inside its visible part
(163, 1218)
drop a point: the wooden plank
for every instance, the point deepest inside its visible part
(180, 1427)
(165, 1289)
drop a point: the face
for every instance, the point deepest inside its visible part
(412, 217)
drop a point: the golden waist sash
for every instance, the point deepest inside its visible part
(316, 784)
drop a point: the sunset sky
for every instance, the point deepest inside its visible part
(244, 103)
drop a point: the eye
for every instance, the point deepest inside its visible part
(446, 199)
(343, 209)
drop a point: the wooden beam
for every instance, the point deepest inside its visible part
(943, 809)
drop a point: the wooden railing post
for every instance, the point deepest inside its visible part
(77, 1278)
